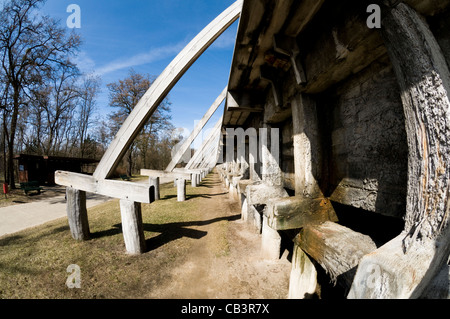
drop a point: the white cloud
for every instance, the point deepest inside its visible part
(142, 58)
(225, 41)
(84, 63)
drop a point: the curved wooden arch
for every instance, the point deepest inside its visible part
(161, 87)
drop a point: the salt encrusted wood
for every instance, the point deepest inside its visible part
(297, 212)
(336, 248)
(407, 265)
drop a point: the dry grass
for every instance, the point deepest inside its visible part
(33, 262)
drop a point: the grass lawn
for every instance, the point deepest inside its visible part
(33, 263)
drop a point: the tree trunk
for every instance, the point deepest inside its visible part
(11, 140)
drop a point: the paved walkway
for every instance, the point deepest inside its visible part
(18, 217)
(22, 216)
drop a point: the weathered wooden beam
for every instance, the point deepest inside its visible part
(116, 189)
(245, 101)
(260, 194)
(303, 14)
(407, 264)
(307, 148)
(132, 227)
(156, 173)
(196, 159)
(77, 214)
(297, 212)
(161, 87)
(336, 248)
(289, 47)
(198, 128)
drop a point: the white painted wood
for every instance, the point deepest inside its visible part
(132, 227)
(198, 128)
(116, 189)
(161, 87)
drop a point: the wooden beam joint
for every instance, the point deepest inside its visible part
(288, 46)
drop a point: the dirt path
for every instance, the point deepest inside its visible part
(225, 263)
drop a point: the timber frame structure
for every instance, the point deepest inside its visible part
(361, 185)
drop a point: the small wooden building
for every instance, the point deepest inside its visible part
(42, 168)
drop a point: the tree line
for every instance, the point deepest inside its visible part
(48, 106)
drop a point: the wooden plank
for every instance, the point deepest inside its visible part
(198, 128)
(161, 87)
(116, 189)
(297, 212)
(336, 248)
(156, 173)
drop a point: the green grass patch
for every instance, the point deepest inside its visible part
(33, 262)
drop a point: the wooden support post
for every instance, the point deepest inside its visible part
(270, 241)
(288, 46)
(181, 189)
(303, 279)
(307, 156)
(196, 159)
(406, 265)
(154, 185)
(132, 228)
(198, 128)
(271, 75)
(244, 209)
(194, 178)
(77, 214)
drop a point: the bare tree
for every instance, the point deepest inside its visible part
(90, 87)
(124, 95)
(31, 46)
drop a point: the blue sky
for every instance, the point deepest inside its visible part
(146, 35)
